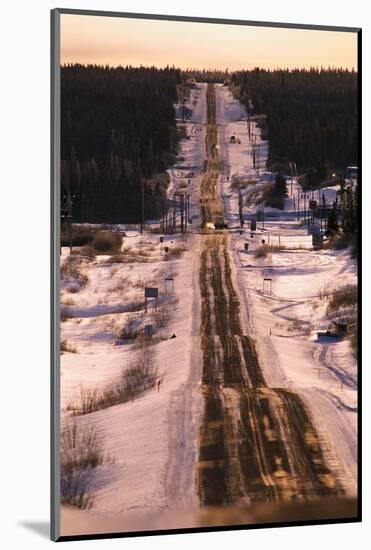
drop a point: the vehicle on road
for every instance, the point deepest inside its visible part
(220, 225)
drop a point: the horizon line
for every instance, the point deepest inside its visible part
(209, 69)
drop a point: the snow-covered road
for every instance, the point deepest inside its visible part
(323, 373)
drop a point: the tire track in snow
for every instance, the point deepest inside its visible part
(255, 443)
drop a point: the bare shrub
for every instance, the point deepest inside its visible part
(162, 316)
(303, 327)
(142, 374)
(76, 488)
(137, 305)
(71, 270)
(130, 329)
(129, 255)
(73, 289)
(73, 259)
(88, 252)
(85, 402)
(107, 242)
(324, 293)
(81, 446)
(261, 252)
(117, 259)
(66, 347)
(121, 284)
(353, 336)
(143, 253)
(341, 241)
(176, 251)
(81, 452)
(142, 283)
(66, 302)
(81, 235)
(126, 250)
(139, 377)
(342, 298)
(342, 308)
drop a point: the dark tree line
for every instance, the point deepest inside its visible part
(274, 193)
(311, 115)
(118, 136)
(208, 75)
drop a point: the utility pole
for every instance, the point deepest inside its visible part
(291, 166)
(254, 150)
(69, 216)
(298, 204)
(185, 212)
(174, 212)
(182, 213)
(142, 201)
(183, 106)
(162, 224)
(82, 208)
(293, 173)
(240, 207)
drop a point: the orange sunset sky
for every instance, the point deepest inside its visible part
(120, 41)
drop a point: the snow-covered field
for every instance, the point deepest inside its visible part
(149, 471)
(285, 318)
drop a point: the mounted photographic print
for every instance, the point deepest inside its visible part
(205, 242)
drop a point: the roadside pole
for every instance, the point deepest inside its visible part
(69, 216)
(142, 204)
(174, 212)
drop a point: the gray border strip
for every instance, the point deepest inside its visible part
(55, 129)
(191, 19)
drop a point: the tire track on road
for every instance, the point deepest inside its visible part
(255, 443)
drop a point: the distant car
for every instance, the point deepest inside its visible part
(220, 225)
